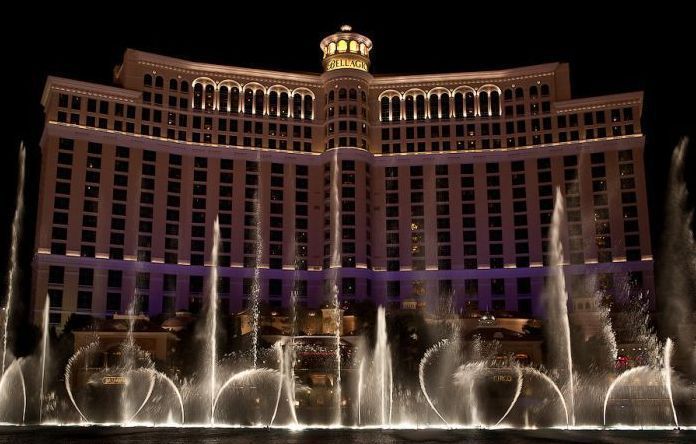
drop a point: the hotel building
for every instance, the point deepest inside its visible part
(414, 190)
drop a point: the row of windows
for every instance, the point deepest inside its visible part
(440, 105)
(520, 287)
(463, 101)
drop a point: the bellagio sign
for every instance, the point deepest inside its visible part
(346, 62)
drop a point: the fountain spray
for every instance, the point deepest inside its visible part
(12, 275)
(212, 315)
(557, 299)
(335, 264)
(44, 354)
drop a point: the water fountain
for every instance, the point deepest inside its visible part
(44, 355)
(679, 259)
(556, 299)
(13, 272)
(335, 264)
(121, 384)
(375, 394)
(211, 318)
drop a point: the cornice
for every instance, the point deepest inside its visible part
(505, 75)
(220, 72)
(88, 89)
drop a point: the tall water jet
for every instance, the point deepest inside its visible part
(361, 371)
(256, 283)
(335, 265)
(128, 358)
(556, 299)
(678, 259)
(383, 367)
(283, 380)
(12, 274)
(44, 355)
(667, 377)
(212, 317)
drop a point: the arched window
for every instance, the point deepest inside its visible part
(234, 100)
(342, 46)
(469, 103)
(273, 103)
(545, 90)
(410, 113)
(184, 86)
(363, 49)
(519, 92)
(384, 109)
(209, 97)
(258, 102)
(420, 107)
(224, 98)
(483, 103)
(147, 80)
(342, 94)
(363, 96)
(495, 103)
(331, 95)
(198, 96)
(508, 94)
(353, 94)
(308, 107)
(396, 108)
(173, 84)
(332, 48)
(459, 105)
(434, 108)
(533, 92)
(284, 104)
(444, 106)
(297, 106)
(248, 101)
(159, 82)
(354, 46)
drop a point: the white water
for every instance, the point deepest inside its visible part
(12, 274)
(557, 300)
(667, 376)
(288, 369)
(278, 346)
(616, 382)
(679, 258)
(550, 381)
(383, 366)
(256, 285)
(421, 373)
(518, 392)
(466, 377)
(360, 389)
(212, 317)
(335, 264)
(128, 360)
(44, 355)
(68, 374)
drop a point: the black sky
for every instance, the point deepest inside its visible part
(611, 49)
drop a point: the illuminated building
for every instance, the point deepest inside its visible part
(446, 185)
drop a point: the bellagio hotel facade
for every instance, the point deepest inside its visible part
(432, 190)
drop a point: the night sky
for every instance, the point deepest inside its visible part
(609, 50)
